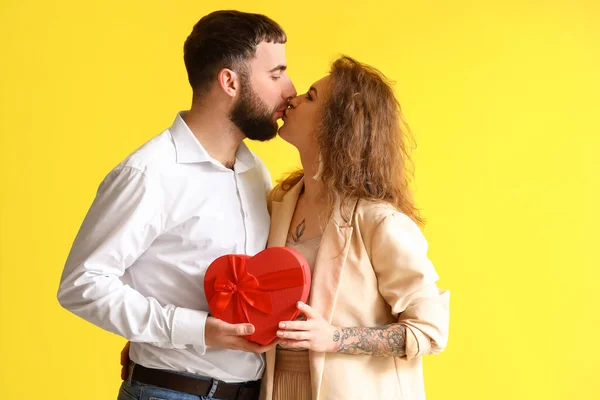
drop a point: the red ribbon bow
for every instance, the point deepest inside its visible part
(245, 290)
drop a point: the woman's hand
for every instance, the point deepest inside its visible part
(314, 334)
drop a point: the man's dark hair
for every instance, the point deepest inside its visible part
(226, 39)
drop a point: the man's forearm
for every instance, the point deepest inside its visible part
(383, 341)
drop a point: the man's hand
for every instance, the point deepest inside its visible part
(218, 333)
(125, 361)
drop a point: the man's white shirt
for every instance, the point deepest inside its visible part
(159, 219)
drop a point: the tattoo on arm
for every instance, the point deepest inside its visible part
(382, 341)
(336, 336)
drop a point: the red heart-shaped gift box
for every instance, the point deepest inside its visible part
(262, 290)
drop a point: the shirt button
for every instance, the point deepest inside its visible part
(245, 215)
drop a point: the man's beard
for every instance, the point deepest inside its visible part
(252, 116)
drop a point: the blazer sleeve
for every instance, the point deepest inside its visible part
(406, 279)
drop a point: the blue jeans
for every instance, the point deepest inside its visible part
(132, 390)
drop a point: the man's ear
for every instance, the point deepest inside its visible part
(229, 82)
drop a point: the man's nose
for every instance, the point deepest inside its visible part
(289, 91)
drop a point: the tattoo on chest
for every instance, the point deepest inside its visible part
(298, 232)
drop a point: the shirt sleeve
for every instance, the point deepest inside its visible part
(124, 219)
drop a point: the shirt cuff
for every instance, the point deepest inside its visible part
(188, 328)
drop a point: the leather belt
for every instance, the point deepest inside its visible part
(196, 386)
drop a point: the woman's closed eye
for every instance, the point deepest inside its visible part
(309, 96)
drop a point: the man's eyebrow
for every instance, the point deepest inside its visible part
(280, 68)
(314, 90)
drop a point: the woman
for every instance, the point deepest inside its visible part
(374, 307)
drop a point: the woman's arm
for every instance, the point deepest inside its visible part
(318, 335)
(406, 279)
(383, 341)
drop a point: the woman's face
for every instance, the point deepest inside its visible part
(301, 119)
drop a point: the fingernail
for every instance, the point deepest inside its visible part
(283, 342)
(282, 325)
(249, 328)
(300, 304)
(279, 333)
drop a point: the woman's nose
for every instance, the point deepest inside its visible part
(293, 102)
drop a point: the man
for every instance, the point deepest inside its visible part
(193, 193)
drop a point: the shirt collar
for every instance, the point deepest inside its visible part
(189, 150)
(244, 159)
(187, 147)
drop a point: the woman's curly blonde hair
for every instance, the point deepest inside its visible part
(363, 141)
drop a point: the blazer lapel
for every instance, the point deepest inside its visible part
(327, 273)
(281, 216)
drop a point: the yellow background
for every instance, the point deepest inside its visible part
(503, 98)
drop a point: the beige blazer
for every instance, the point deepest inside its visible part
(371, 272)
